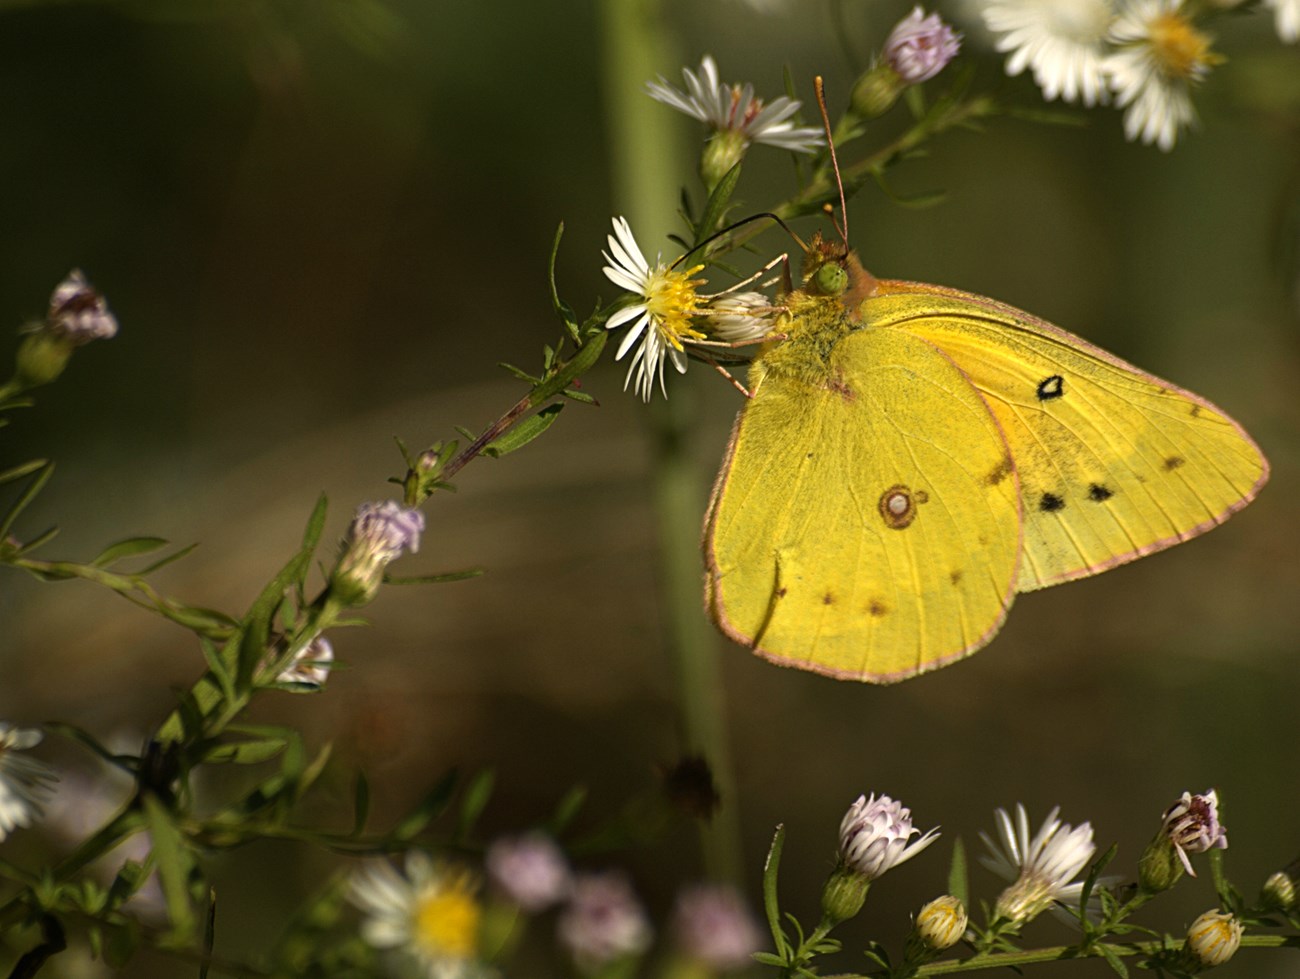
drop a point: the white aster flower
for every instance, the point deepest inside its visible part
(1192, 826)
(604, 921)
(661, 316)
(1214, 938)
(431, 914)
(1041, 868)
(735, 109)
(1160, 57)
(530, 870)
(1286, 16)
(876, 835)
(25, 783)
(740, 317)
(1060, 41)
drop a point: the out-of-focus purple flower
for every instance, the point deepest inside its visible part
(379, 534)
(78, 312)
(604, 921)
(530, 870)
(714, 927)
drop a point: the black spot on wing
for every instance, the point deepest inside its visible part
(1000, 472)
(1050, 503)
(1099, 494)
(876, 608)
(955, 576)
(1051, 387)
(828, 599)
(1173, 462)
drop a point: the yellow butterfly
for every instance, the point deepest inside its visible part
(912, 457)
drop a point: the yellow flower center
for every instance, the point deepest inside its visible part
(671, 301)
(1180, 50)
(446, 920)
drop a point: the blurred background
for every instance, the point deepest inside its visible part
(322, 223)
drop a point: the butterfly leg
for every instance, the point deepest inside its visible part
(725, 373)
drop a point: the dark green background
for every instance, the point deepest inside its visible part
(322, 223)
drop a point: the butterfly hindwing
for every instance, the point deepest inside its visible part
(866, 523)
(1113, 463)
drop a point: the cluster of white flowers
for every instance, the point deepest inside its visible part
(1147, 54)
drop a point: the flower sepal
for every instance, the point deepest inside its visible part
(843, 895)
(1160, 867)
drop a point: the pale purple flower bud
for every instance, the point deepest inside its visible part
(604, 921)
(919, 47)
(78, 312)
(1192, 825)
(875, 835)
(529, 870)
(379, 534)
(714, 927)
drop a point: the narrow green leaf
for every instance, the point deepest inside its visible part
(244, 752)
(313, 771)
(523, 433)
(38, 482)
(209, 933)
(88, 740)
(520, 374)
(433, 805)
(127, 548)
(435, 579)
(562, 309)
(716, 208)
(39, 540)
(767, 958)
(360, 804)
(771, 905)
(21, 470)
(1113, 960)
(217, 667)
(174, 863)
(167, 559)
(566, 809)
(958, 885)
(580, 396)
(475, 800)
(577, 365)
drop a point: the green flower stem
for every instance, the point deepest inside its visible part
(644, 151)
(1002, 960)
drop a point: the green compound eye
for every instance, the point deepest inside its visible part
(830, 279)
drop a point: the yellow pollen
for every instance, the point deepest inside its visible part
(446, 921)
(671, 301)
(1180, 50)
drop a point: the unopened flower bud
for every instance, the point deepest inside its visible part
(1280, 891)
(843, 895)
(723, 151)
(77, 315)
(941, 923)
(919, 47)
(379, 534)
(740, 317)
(1213, 938)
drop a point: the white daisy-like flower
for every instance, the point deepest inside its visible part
(1286, 16)
(661, 316)
(1161, 56)
(740, 317)
(876, 835)
(430, 913)
(1041, 868)
(1061, 41)
(735, 109)
(25, 783)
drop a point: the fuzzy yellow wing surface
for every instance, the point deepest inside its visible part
(852, 530)
(1113, 462)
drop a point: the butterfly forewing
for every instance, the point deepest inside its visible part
(1113, 463)
(866, 523)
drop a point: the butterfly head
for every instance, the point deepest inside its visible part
(831, 270)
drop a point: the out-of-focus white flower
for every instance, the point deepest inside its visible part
(78, 312)
(530, 870)
(1160, 57)
(715, 928)
(1041, 868)
(1061, 41)
(431, 913)
(604, 921)
(920, 46)
(310, 667)
(1286, 15)
(25, 783)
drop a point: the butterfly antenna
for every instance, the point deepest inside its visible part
(843, 229)
(736, 226)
